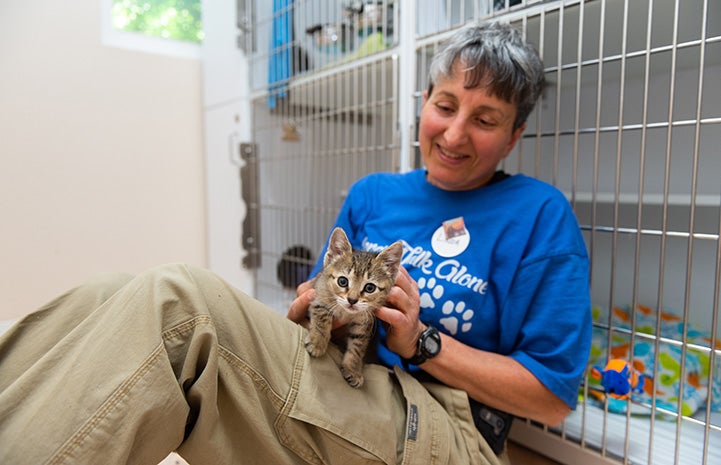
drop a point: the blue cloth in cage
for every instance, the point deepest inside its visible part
(280, 63)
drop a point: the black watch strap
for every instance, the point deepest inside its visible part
(428, 346)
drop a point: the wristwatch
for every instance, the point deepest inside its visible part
(428, 346)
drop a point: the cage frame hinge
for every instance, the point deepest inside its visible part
(249, 186)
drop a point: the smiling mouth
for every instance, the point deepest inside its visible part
(450, 155)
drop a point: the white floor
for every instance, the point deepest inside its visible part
(173, 459)
(669, 442)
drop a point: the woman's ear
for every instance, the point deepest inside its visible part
(514, 138)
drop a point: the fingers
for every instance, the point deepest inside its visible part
(408, 284)
(391, 316)
(298, 310)
(405, 295)
(303, 287)
(400, 314)
(401, 309)
(401, 330)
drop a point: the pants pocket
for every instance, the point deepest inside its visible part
(440, 426)
(428, 432)
(326, 421)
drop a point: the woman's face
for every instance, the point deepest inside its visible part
(464, 134)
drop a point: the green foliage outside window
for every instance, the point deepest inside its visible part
(167, 19)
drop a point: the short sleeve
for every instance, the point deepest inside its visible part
(546, 322)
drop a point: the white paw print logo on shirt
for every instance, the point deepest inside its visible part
(434, 292)
(458, 317)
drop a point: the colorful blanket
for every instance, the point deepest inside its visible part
(667, 382)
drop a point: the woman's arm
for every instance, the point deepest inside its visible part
(496, 380)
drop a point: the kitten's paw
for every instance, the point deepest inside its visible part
(315, 349)
(354, 378)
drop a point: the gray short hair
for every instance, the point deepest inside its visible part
(493, 55)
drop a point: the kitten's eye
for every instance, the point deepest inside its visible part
(369, 288)
(343, 281)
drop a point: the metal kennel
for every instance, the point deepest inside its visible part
(629, 128)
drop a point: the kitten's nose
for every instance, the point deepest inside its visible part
(352, 300)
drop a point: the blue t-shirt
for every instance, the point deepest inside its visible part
(502, 268)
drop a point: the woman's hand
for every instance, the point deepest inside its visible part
(298, 310)
(400, 315)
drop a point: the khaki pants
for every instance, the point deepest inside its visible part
(126, 370)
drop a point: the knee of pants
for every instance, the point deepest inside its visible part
(105, 285)
(87, 296)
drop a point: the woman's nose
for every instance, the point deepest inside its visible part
(455, 134)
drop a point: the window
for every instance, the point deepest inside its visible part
(170, 27)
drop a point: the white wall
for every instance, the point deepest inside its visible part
(101, 154)
(227, 124)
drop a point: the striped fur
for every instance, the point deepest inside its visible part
(351, 286)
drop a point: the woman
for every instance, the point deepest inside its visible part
(473, 114)
(489, 317)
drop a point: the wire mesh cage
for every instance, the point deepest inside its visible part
(317, 131)
(628, 129)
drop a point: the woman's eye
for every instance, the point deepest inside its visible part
(343, 281)
(369, 288)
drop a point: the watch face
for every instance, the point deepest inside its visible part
(431, 342)
(432, 346)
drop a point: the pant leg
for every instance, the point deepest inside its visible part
(174, 360)
(178, 360)
(79, 378)
(35, 334)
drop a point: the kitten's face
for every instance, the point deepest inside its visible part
(359, 281)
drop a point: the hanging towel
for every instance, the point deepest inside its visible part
(279, 65)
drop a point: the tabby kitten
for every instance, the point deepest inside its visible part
(351, 286)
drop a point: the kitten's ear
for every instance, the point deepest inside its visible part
(391, 258)
(337, 245)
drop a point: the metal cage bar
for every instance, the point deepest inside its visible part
(627, 129)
